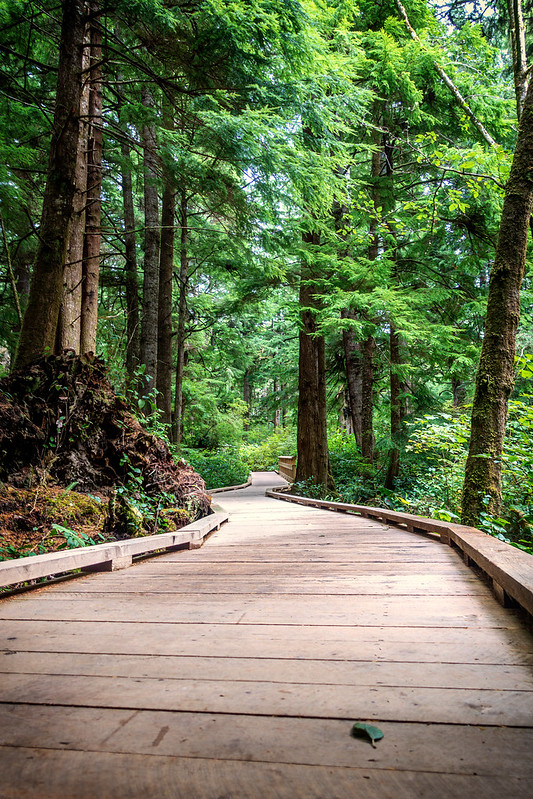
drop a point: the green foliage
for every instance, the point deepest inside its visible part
(263, 456)
(219, 468)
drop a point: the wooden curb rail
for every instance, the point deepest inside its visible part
(230, 488)
(107, 557)
(510, 570)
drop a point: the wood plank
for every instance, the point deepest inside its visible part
(48, 774)
(326, 742)
(237, 671)
(397, 644)
(348, 673)
(174, 583)
(510, 708)
(417, 611)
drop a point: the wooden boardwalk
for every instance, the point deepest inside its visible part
(236, 671)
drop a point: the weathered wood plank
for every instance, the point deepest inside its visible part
(176, 583)
(236, 671)
(348, 673)
(432, 705)
(325, 742)
(249, 609)
(48, 774)
(396, 644)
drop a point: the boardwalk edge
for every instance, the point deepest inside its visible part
(508, 569)
(109, 557)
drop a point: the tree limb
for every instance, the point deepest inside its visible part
(448, 81)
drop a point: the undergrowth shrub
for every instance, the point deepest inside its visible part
(263, 457)
(219, 468)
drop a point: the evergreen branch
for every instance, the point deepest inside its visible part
(447, 80)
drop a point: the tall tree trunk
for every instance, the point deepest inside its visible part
(277, 411)
(369, 345)
(166, 274)
(150, 304)
(495, 376)
(458, 392)
(397, 411)
(70, 314)
(247, 397)
(39, 328)
(367, 395)
(312, 442)
(93, 235)
(130, 270)
(397, 407)
(518, 47)
(177, 431)
(354, 377)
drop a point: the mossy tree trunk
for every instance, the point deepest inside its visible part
(130, 267)
(150, 302)
(183, 283)
(70, 314)
(166, 274)
(39, 327)
(93, 212)
(311, 437)
(495, 375)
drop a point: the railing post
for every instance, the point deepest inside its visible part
(287, 467)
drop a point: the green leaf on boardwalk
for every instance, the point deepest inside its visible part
(360, 730)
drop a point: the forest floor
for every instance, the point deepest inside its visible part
(78, 468)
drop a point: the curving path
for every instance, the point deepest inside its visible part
(235, 671)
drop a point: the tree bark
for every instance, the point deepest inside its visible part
(130, 271)
(177, 428)
(311, 437)
(367, 392)
(93, 212)
(458, 392)
(70, 314)
(247, 397)
(354, 377)
(150, 304)
(397, 409)
(495, 375)
(518, 47)
(166, 273)
(39, 328)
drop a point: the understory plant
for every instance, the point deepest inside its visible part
(219, 468)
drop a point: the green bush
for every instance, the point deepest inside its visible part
(219, 468)
(263, 457)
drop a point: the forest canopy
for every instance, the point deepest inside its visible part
(287, 227)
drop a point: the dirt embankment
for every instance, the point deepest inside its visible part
(74, 458)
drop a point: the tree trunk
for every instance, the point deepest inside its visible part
(177, 432)
(397, 410)
(247, 397)
(458, 392)
(518, 47)
(130, 270)
(150, 304)
(91, 250)
(367, 391)
(166, 273)
(70, 314)
(369, 345)
(495, 376)
(312, 442)
(354, 378)
(39, 328)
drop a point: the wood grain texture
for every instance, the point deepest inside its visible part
(236, 671)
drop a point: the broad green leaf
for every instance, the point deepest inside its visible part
(361, 730)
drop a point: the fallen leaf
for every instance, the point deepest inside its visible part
(360, 730)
